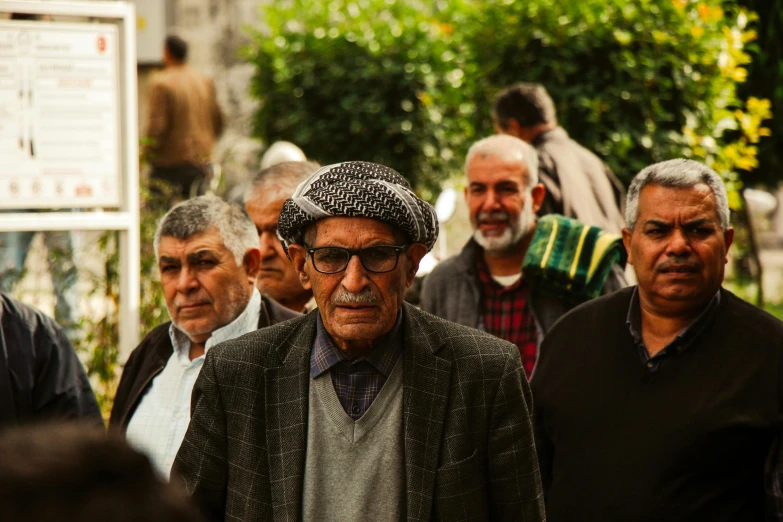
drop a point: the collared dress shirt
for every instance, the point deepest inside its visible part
(679, 344)
(357, 380)
(773, 468)
(159, 423)
(506, 315)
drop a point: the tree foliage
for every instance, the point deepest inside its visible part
(765, 80)
(410, 84)
(369, 79)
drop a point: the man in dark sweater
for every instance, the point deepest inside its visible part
(663, 401)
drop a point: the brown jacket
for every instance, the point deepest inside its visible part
(578, 184)
(184, 119)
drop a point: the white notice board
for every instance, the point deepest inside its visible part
(60, 130)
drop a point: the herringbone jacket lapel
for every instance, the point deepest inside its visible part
(287, 388)
(426, 387)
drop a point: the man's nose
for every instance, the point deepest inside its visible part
(355, 276)
(187, 281)
(491, 201)
(679, 243)
(267, 243)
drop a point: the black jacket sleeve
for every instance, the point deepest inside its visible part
(44, 375)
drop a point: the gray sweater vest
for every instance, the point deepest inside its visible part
(355, 470)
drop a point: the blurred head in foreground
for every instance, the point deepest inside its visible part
(68, 472)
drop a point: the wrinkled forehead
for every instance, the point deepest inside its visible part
(487, 168)
(345, 231)
(658, 202)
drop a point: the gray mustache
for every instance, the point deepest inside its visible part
(493, 215)
(345, 297)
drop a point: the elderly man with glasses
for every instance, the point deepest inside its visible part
(366, 408)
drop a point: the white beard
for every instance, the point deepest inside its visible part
(514, 233)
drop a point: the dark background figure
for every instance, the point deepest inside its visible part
(183, 123)
(578, 184)
(41, 376)
(72, 473)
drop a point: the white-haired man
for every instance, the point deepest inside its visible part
(208, 258)
(483, 286)
(663, 401)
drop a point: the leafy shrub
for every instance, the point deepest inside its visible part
(373, 80)
(638, 82)
(410, 84)
(765, 80)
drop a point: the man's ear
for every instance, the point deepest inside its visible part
(538, 193)
(728, 238)
(252, 264)
(627, 242)
(415, 254)
(298, 256)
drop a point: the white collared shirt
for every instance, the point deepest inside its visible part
(160, 421)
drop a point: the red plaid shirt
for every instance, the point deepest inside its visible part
(506, 315)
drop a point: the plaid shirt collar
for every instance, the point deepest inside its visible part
(245, 322)
(490, 285)
(383, 357)
(684, 339)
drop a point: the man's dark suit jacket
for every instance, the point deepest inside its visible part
(469, 450)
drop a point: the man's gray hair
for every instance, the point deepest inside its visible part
(280, 180)
(510, 150)
(201, 214)
(677, 173)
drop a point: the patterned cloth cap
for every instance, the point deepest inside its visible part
(357, 189)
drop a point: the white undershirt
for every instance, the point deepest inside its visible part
(508, 280)
(159, 423)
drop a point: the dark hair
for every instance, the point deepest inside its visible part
(528, 103)
(177, 47)
(73, 472)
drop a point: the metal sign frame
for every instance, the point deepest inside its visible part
(126, 219)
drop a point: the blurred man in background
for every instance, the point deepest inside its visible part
(483, 286)
(184, 121)
(264, 201)
(578, 184)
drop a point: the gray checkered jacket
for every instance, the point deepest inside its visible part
(469, 450)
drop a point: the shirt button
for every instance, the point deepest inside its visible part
(650, 364)
(355, 408)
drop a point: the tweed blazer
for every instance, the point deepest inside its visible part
(469, 450)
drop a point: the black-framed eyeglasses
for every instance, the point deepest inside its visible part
(377, 259)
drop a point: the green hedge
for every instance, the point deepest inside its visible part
(410, 84)
(362, 80)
